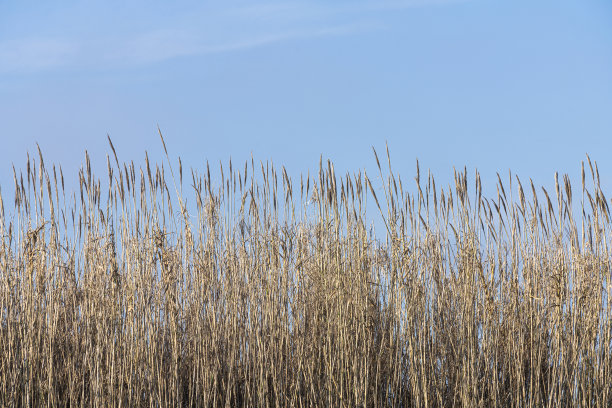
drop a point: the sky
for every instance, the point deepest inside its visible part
(487, 84)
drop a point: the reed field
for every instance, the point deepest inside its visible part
(263, 290)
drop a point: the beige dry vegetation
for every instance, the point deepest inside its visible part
(275, 293)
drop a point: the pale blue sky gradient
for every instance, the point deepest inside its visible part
(525, 85)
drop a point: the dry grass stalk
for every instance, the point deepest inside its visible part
(261, 298)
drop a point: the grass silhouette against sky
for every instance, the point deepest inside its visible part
(491, 85)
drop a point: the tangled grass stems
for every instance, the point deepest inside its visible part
(270, 295)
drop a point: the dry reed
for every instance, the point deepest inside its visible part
(271, 293)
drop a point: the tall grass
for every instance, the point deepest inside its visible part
(271, 292)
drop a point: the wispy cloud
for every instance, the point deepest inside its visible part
(35, 54)
(403, 4)
(302, 10)
(205, 31)
(157, 46)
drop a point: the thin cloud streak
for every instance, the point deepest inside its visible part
(156, 46)
(189, 48)
(36, 54)
(235, 29)
(301, 10)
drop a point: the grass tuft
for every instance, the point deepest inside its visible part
(259, 297)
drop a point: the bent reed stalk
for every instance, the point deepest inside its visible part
(271, 293)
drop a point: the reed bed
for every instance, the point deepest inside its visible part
(269, 291)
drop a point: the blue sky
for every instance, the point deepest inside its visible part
(493, 85)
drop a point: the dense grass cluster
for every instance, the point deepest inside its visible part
(274, 293)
